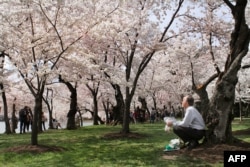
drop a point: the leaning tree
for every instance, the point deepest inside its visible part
(221, 104)
(212, 27)
(218, 109)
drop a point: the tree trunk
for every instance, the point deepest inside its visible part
(144, 108)
(106, 109)
(204, 99)
(125, 123)
(220, 114)
(154, 101)
(94, 91)
(118, 109)
(37, 115)
(221, 103)
(73, 104)
(80, 119)
(73, 109)
(49, 103)
(5, 108)
(51, 119)
(14, 119)
(95, 109)
(240, 108)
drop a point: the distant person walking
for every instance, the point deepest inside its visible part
(23, 119)
(152, 115)
(29, 119)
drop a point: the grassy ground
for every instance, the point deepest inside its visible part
(88, 147)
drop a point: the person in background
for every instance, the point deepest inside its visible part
(152, 115)
(44, 119)
(192, 128)
(23, 119)
(29, 119)
(56, 124)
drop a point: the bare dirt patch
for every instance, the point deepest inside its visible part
(124, 135)
(213, 153)
(35, 149)
(209, 153)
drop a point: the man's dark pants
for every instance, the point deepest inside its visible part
(188, 134)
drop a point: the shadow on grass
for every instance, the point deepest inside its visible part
(35, 149)
(119, 135)
(242, 132)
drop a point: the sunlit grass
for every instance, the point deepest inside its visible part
(88, 147)
(241, 124)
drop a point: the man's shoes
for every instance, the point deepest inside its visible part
(192, 145)
(183, 145)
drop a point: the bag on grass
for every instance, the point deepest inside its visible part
(173, 145)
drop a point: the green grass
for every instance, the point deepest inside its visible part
(88, 147)
(242, 125)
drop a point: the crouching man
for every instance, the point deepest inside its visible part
(192, 128)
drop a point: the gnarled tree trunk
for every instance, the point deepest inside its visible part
(73, 104)
(94, 89)
(221, 103)
(118, 109)
(5, 107)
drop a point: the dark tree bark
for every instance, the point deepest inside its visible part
(144, 107)
(95, 102)
(154, 100)
(49, 102)
(106, 106)
(5, 106)
(14, 119)
(5, 109)
(94, 92)
(73, 104)
(79, 118)
(37, 117)
(92, 114)
(118, 109)
(210, 120)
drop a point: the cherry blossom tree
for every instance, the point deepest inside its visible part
(223, 98)
(164, 80)
(131, 44)
(211, 31)
(42, 37)
(217, 109)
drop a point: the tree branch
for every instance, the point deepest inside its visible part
(171, 21)
(212, 53)
(53, 25)
(229, 4)
(246, 66)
